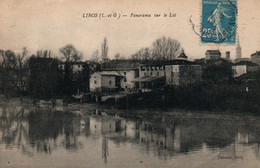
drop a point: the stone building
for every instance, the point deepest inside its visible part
(255, 57)
(212, 54)
(244, 67)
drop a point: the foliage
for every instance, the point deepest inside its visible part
(70, 53)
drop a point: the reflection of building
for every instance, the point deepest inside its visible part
(244, 67)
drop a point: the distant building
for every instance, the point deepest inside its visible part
(255, 57)
(244, 67)
(183, 73)
(241, 59)
(127, 68)
(170, 72)
(105, 81)
(238, 51)
(182, 55)
(228, 55)
(75, 66)
(213, 54)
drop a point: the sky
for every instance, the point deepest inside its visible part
(51, 24)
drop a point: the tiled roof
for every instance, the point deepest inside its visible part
(248, 63)
(213, 51)
(169, 62)
(109, 73)
(147, 78)
(256, 53)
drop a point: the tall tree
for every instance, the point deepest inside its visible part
(70, 53)
(104, 50)
(165, 48)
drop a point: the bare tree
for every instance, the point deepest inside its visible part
(95, 56)
(165, 48)
(70, 53)
(104, 50)
(142, 54)
(117, 56)
(14, 68)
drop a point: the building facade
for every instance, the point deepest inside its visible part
(213, 54)
(244, 67)
(105, 81)
(255, 57)
(183, 74)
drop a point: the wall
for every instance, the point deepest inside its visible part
(239, 70)
(92, 86)
(129, 76)
(152, 70)
(105, 82)
(183, 74)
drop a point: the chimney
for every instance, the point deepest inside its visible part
(228, 55)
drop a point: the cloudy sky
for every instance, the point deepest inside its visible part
(51, 24)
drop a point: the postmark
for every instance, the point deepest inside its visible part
(219, 21)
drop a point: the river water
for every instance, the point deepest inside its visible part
(33, 137)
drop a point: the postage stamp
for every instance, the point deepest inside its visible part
(218, 22)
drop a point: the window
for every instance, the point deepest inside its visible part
(125, 80)
(158, 73)
(151, 73)
(110, 82)
(172, 74)
(145, 74)
(124, 73)
(95, 82)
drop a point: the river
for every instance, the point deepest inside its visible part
(57, 137)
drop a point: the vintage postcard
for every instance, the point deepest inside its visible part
(127, 84)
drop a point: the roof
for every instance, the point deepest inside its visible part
(109, 73)
(169, 62)
(182, 55)
(122, 65)
(73, 63)
(147, 78)
(256, 53)
(213, 52)
(248, 63)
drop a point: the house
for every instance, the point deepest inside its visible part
(244, 67)
(74, 66)
(213, 54)
(127, 68)
(255, 57)
(105, 81)
(167, 72)
(181, 73)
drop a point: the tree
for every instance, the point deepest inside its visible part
(14, 68)
(117, 56)
(165, 48)
(70, 53)
(142, 54)
(104, 50)
(95, 56)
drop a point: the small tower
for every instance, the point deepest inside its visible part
(182, 55)
(238, 50)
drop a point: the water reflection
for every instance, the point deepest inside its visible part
(44, 130)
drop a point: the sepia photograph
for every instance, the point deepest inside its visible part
(129, 84)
